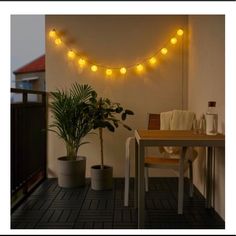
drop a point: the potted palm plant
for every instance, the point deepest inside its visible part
(107, 115)
(71, 110)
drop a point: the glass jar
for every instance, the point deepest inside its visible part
(211, 119)
(202, 125)
(195, 126)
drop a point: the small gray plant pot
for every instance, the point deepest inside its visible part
(71, 173)
(101, 179)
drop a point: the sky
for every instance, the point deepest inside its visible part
(27, 39)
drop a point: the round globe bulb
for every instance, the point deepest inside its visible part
(58, 41)
(123, 70)
(81, 62)
(180, 32)
(164, 51)
(152, 60)
(94, 68)
(52, 33)
(140, 67)
(71, 54)
(173, 40)
(108, 72)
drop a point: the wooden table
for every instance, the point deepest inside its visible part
(145, 138)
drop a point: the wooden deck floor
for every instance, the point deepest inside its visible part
(51, 207)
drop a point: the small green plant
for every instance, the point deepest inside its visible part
(72, 112)
(107, 114)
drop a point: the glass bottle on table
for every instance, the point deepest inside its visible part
(211, 119)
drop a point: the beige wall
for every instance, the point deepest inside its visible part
(206, 81)
(179, 81)
(117, 40)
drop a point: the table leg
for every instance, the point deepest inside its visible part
(190, 178)
(181, 181)
(136, 176)
(141, 203)
(209, 178)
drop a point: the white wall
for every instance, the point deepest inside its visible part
(206, 81)
(116, 40)
(27, 39)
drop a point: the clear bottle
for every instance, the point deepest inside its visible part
(211, 119)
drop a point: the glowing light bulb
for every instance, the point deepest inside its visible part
(164, 51)
(82, 62)
(108, 72)
(152, 60)
(58, 41)
(71, 54)
(180, 32)
(123, 70)
(173, 40)
(94, 68)
(52, 33)
(139, 67)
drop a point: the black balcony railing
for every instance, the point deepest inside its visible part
(28, 141)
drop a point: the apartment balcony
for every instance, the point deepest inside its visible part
(39, 203)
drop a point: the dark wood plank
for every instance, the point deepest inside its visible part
(51, 207)
(56, 225)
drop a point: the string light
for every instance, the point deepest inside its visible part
(71, 54)
(108, 72)
(82, 62)
(173, 40)
(58, 41)
(123, 70)
(164, 51)
(152, 60)
(94, 68)
(180, 32)
(140, 67)
(52, 33)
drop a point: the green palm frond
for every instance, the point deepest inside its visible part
(71, 115)
(81, 93)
